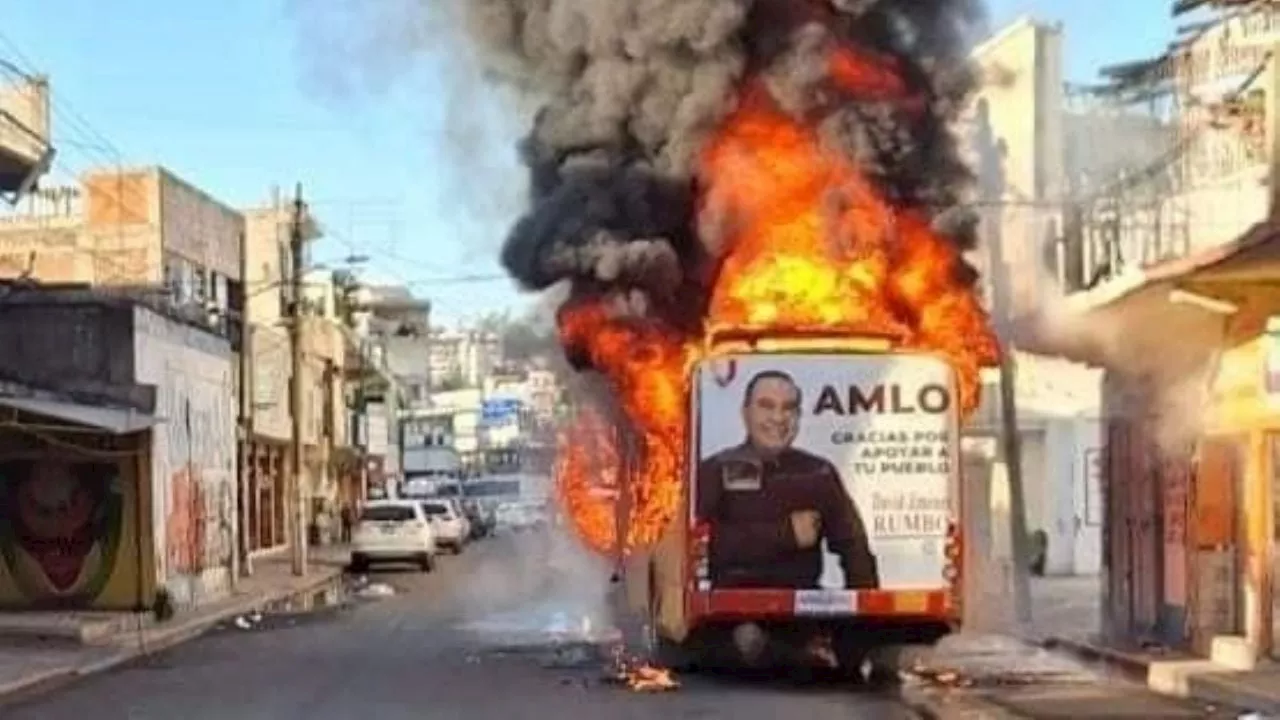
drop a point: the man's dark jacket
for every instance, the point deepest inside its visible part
(748, 500)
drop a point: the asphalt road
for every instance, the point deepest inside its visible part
(464, 642)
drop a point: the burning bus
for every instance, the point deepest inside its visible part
(822, 508)
(770, 190)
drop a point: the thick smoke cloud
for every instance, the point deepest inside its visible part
(633, 87)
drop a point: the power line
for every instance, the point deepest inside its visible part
(462, 280)
(443, 279)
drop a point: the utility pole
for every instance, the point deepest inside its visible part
(1011, 440)
(298, 495)
(1012, 447)
(245, 425)
(395, 409)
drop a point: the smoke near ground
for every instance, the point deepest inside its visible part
(558, 592)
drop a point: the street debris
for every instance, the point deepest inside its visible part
(247, 622)
(639, 675)
(951, 677)
(374, 591)
(938, 676)
(644, 677)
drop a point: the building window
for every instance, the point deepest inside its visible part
(174, 268)
(200, 284)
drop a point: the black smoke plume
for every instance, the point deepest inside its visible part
(634, 87)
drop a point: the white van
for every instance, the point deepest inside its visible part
(393, 531)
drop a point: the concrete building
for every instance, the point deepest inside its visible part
(268, 422)
(393, 325)
(375, 393)
(401, 324)
(25, 150)
(499, 414)
(1175, 298)
(139, 423)
(333, 471)
(333, 466)
(140, 228)
(463, 358)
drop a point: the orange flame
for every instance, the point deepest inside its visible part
(645, 365)
(811, 244)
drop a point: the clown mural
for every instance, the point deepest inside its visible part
(60, 528)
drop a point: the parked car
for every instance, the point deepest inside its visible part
(450, 526)
(467, 528)
(481, 520)
(393, 531)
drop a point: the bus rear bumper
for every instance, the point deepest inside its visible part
(832, 605)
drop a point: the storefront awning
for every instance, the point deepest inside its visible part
(1253, 257)
(118, 421)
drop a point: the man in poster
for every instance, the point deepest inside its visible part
(770, 505)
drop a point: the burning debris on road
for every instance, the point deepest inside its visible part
(639, 675)
(703, 164)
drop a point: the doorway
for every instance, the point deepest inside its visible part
(1133, 531)
(1218, 539)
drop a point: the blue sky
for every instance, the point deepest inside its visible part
(239, 95)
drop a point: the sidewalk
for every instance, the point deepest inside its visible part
(1004, 677)
(1065, 607)
(1067, 617)
(1178, 674)
(29, 668)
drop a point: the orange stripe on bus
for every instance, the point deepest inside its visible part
(875, 602)
(911, 602)
(776, 603)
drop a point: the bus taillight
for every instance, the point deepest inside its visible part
(953, 569)
(700, 554)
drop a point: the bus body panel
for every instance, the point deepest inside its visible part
(887, 422)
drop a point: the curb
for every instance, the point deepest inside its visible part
(1208, 689)
(164, 638)
(27, 687)
(1133, 668)
(1202, 687)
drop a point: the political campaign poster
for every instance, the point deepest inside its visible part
(825, 471)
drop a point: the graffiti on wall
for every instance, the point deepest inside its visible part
(184, 526)
(199, 508)
(61, 524)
